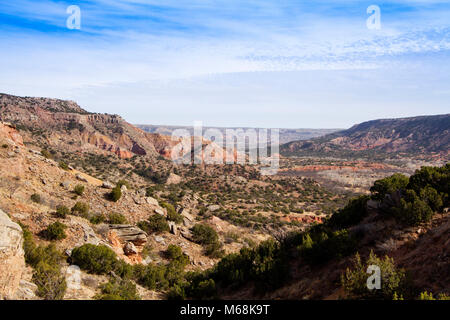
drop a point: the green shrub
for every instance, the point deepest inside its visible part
(36, 198)
(79, 189)
(393, 280)
(351, 214)
(155, 223)
(117, 218)
(46, 154)
(121, 183)
(81, 209)
(429, 296)
(97, 218)
(176, 255)
(62, 211)
(207, 236)
(55, 231)
(151, 276)
(118, 290)
(46, 262)
(204, 234)
(172, 215)
(94, 259)
(5, 146)
(63, 165)
(115, 194)
(51, 284)
(412, 210)
(388, 185)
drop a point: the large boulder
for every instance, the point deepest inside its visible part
(128, 233)
(12, 262)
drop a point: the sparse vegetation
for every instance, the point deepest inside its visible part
(62, 211)
(117, 218)
(79, 189)
(36, 198)
(55, 231)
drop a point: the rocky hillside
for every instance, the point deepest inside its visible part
(426, 135)
(286, 135)
(65, 125)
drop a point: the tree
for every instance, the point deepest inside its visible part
(393, 280)
(94, 259)
(115, 194)
(55, 231)
(388, 185)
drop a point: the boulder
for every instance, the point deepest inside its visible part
(152, 201)
(130, 249)
(80, 177)
(128, 233)
(173, 179)
(214, 207)
(12, 261)
(107, 185)
(160, 212)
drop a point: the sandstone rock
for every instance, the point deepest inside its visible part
(123, 188)
(160, 212)
(130, 249)
(173, 179)
(66, 184)
(26, 291)
(214, 207)
(128, 233)
(152, 201)
(159, 239)
(81, 178)
(107, 185)
(12, 262)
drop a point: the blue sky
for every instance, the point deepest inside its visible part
(258, 63)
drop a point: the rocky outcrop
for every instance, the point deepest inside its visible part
(128, 233)
(12, 262)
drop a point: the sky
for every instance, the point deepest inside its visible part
(232, 63)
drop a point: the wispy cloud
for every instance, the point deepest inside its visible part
(136, 44)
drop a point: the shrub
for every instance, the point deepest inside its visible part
(115, 194)
(117, 218)
(176, 255)
(388, 185)
(151, 276)
(63, 165)
(46, 262)
(81, 209)
(94, 259)
(393, 281)
(62, 211)
(429, 296)
(118, 289)
(207, 236)
(97, 218)
(5, 146)
(412, 210)
(46, 154)
(155, 223)
(121, 183)
(204, 234)
(36, 198)
(79, 189)
(351, 214)
(55, 231)
(172, 215)
(51, 284)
